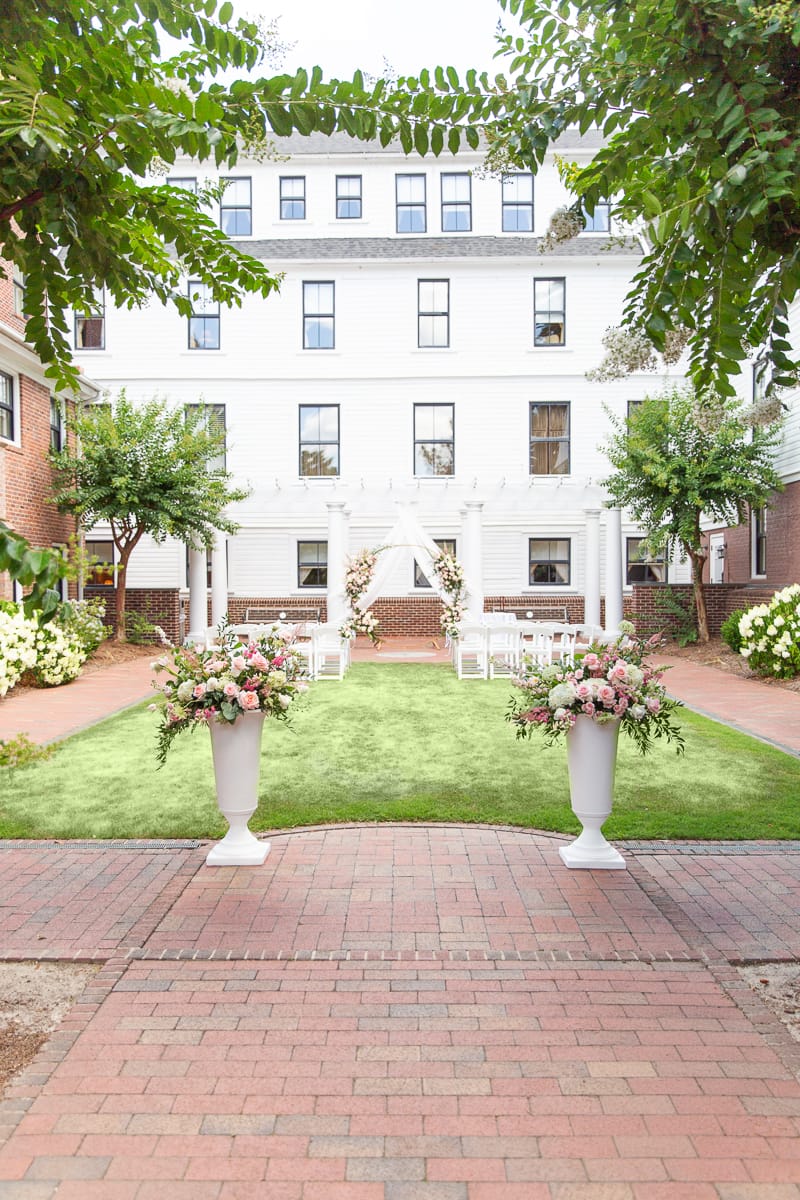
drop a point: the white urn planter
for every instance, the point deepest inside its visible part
(592, 761)
(236, 750)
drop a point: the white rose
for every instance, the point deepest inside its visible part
(638, 711)
(185, 690)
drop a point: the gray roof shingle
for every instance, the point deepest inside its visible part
(432, 247)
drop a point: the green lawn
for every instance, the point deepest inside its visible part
(401, 742)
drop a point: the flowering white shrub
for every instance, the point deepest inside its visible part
(82, 620)
(59, 656)
(17, 648)
(770, 634)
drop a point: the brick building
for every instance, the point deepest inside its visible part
(31, 421)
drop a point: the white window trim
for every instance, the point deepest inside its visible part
(16, 412)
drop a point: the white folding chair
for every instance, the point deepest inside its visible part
(504, 649)
(330, 652)
(537, 644)
(564, 640)
(471, 652)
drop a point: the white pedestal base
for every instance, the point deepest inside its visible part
(599, 858)
(240, 855)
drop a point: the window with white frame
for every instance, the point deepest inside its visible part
(319, 440)
(758, 527)
(549, 439)
(186, 183)
(19, 293)
(456, 202)
(236, 206)
(599, 219)
(549, 561)
(312, 564)
(549, 324)
(7, 423)
(213, 419)
(348, 197)
(641, 565)
(90, 326)
(101, 553)
(410, 194)
(433, 312)
(56, 425)
(517, 202)
(447, 546)
(318, 315)
(434, 439)
(204, 321)
(293, 197)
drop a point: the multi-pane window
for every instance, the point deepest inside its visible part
(642, 566)
(319, 439)
(293, 197)
(599, 219)
(102, 573)
(348, 197)
(548, 561)
(90, 332)
(517, 192)
(236, 207)
(456, 203)
(410, 196)
(318, 316)
(760, 381)
(214, 422)
(6, 406)
(187, 183)
(312, 564)
(549, 326)
(758, 523)
(56, 425)
(447, 546)
(433, 312)
(204, 321)
(434, 439)
(633, 407)
(19, 294)
(549, 439)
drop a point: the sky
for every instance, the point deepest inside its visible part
(341, 35)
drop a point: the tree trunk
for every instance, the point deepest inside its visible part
(119, 606)
(698, 562)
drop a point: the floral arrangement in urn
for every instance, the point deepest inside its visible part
(357, 578)
(606, 683)
(220, 684)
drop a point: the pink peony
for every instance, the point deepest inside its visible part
(248, 701)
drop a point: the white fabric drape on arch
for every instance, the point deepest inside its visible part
(406, 533)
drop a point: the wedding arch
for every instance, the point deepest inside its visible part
(366, 575)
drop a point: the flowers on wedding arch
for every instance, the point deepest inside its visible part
(450, 574)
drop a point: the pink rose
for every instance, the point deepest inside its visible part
(589, 709)
(248, 701)
(606, 695)
(653, 704)
(583, 691)
(199, 690)
(231, 689)
(590, 660)
(238, 663)
(258, 661)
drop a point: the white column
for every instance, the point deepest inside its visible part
(337, 553)
(219, 578)
(613, 569)
(473, 558)
(198, 597)
(591, 569)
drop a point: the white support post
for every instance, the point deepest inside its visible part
(613, 570)
(198, 597)
(473, 558)
(337, 552)
(219, 578)
(591, 585)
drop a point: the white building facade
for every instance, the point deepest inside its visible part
(423, 350)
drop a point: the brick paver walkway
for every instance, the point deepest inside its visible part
(552, 1035)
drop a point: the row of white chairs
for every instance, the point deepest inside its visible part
(492, 649)
(325, 651)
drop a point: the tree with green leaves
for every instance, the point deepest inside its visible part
(36, 569)
(145, 469)
(681, 456)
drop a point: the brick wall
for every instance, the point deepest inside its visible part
(7, 314)
(783, 544)
(721, 599)
(160, 606)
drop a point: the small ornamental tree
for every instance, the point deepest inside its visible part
(37, 569)
(679, 457)
(145, 470)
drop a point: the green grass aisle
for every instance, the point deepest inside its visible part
(399, 742)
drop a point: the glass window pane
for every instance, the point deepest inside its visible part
(236, 222)
(410, 189)
(293, 210)
(423, 422)
(6, 423)
(309, 423)
(455, 188)
(318, 333)
(539, 420)
(559, 458)
(204, 333)
(293, 186)
(540, 459)
(237, 193)
(328, 423)
(518, 188)
(548, 331)
(456, 220)
(443, 422)
(411, 220)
